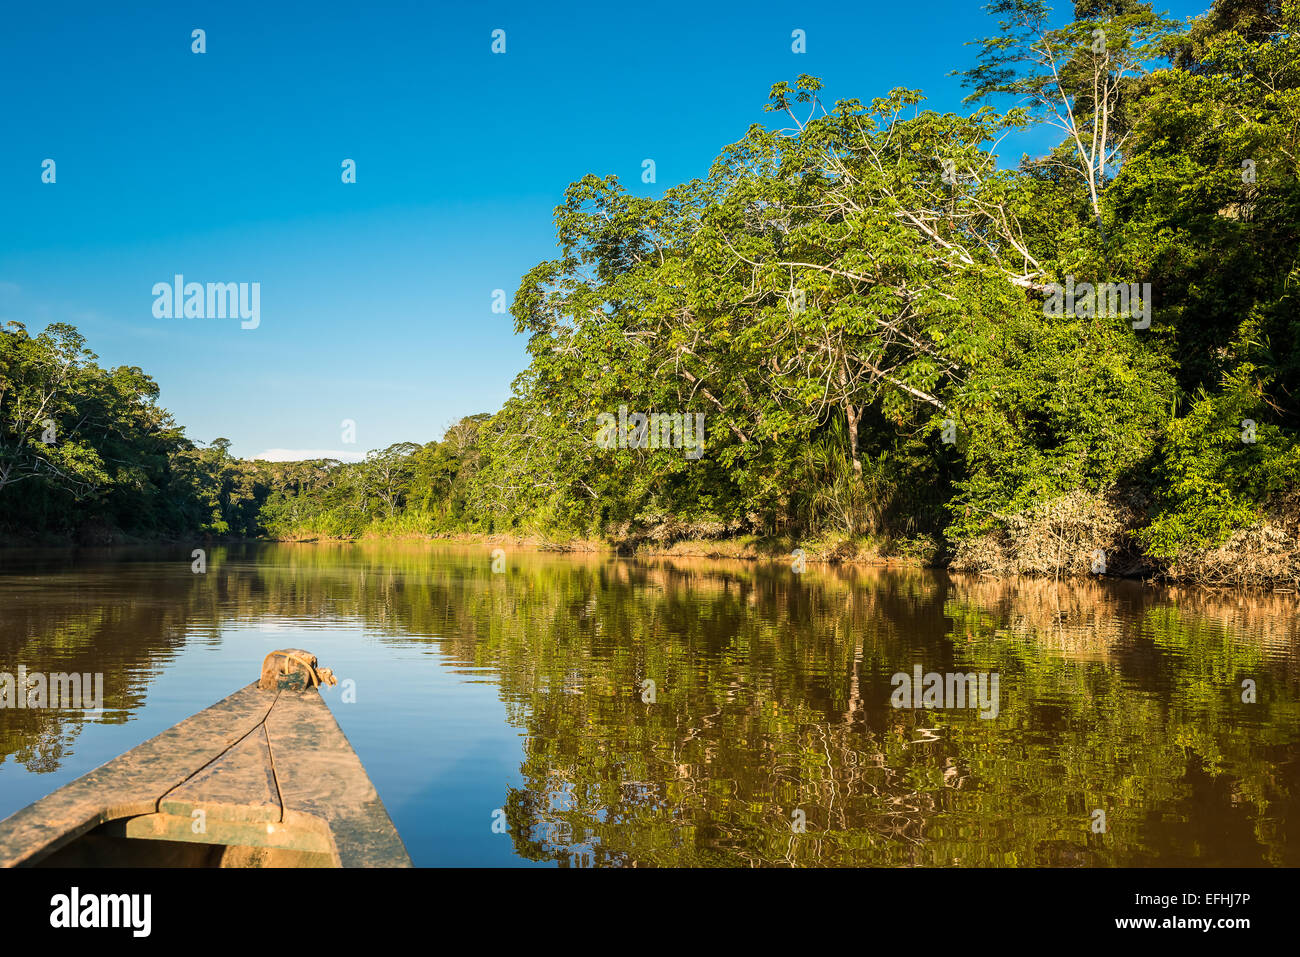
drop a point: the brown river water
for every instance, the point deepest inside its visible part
(595, 711)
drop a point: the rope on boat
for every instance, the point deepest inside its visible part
(316, 676)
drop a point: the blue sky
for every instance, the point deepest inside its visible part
(375, 296)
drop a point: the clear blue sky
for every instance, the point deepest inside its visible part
(375, 296)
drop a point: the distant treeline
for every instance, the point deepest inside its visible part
(88, 456)
(1090, 362)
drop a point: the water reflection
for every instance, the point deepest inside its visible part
(771, 698)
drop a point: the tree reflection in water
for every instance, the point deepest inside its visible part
(771, 699)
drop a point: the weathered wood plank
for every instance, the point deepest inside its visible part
(240, 785)
(320, 775)
(271, 770)
(175, 827)
(132, 783)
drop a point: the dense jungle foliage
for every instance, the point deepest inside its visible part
(858, 298)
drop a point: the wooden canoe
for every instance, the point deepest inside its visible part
(263, 778)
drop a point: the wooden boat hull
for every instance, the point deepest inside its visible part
(263, 778)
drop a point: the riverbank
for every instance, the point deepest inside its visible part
(1259, 560)
(832, 550)
(1267, 557)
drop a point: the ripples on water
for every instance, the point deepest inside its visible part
(522, 693)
